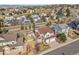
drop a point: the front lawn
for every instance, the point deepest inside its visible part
(74, 36)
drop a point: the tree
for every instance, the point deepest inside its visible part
(24, 39)
(3, 52)
(62, 37)
(3, 13)
(1, 31)
(18, 35)
(59, 12)
(30, 26)
(24, 11)
(33, 27)
(49, 24)
(29, 16)
(25, 27)
(10, 14)
(5, 30)
(1, 25)
(22, 27)
(31, 19)
(33, 24)
(43, 19)
(68, 12)
(2, 9)
(37, 47)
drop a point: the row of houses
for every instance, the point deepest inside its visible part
(49, 34)
(36, 17)
(11, 20)
(45, 33)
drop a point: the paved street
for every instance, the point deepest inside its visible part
(68, 48)
(77, 53)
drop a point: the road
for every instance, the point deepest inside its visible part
(69, 48)
(77, 53)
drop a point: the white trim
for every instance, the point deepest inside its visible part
(5, 43)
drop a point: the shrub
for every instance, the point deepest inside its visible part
(5, 30)
(68, 12)
(22, 27)
(1, 31)
(62, 37)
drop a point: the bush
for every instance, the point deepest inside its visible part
(5, 30)
(22, 27)
(68, 12)
(18, 35)
(25, 27)
(62, 37)
(1, 31)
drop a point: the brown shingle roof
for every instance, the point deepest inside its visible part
(44, 30)
(8, 37)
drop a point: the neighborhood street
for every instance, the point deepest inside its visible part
(68, 49)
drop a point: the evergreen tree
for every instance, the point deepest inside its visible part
(68, 12)
(62, 37)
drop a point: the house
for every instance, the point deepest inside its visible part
(9, 20)
(23, 20)
(8, 39)
(57, 29)
(36, 18)
(60, 28)
(11, 40)
(45, 34)
(65, 28)
(75, 26)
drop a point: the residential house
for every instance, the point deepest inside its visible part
(11, 40)
(46, 34)
(30, 11)
(36, 18)
(57, 29)
(23, 20)
(65, 28)
(75, 26)
(9, 20)
(61, 28)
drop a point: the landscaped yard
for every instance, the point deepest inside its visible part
(74, 36)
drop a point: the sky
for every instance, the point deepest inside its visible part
(37, 2)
